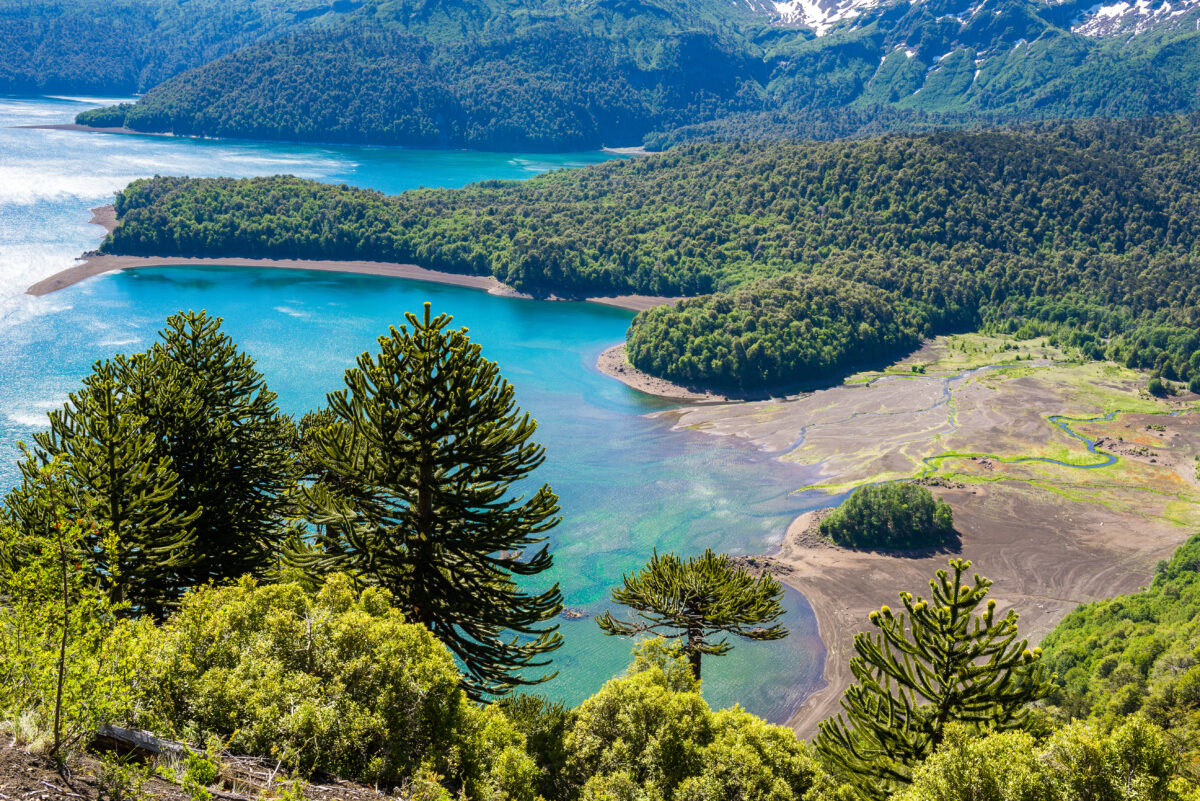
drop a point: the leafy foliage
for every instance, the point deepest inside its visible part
(936, 663)
(67, 664)
(813, 257)
(695, 600)
(336, 682)
(417, 465)
(1137, 653)
(649, 734)
(897, 515)
(1080, 762)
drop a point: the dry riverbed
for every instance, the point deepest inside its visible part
(1050, 535)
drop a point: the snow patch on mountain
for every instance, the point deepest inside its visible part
(1106, 18)
(821, 15)
(1126, 17)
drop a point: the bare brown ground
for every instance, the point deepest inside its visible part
(1045, 555)
(1050, 537)
(94, 264)
(33, 777)
(614, 363)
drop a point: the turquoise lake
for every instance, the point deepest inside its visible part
(627, 483)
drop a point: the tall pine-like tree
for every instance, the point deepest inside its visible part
(413, 495)
(697, 599)
(214, 418)
(936, 663)
(103, 451)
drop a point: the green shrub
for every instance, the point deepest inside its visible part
(1081, 762)
(650, 735)
(336, 682)
(1136, 654)
(1158, 388)
(544, 724)
(897, 515)
(67, 663)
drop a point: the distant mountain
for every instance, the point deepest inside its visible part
(126, 46)
(564, 74)
(1080, 16)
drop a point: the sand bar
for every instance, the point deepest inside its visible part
(615, 364)
(74, 126)
(105, 216)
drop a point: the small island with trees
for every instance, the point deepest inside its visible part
(892, 516)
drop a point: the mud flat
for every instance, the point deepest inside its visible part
(1033, 512)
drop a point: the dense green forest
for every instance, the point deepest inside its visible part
(896, 515)
(379, 532)
(369, 84)
(1137, 653)
(558, 75)
(129, 46)
(808, 258)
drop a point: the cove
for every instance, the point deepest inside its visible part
(628, 484)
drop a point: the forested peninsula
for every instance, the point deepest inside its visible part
(802, 260)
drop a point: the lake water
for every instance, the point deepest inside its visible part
(627, 483)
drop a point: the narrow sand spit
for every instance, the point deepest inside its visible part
(615, 364)
(94, 264)
(73, 126)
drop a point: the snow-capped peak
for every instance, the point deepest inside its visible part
(821, 15)
(1130, 16)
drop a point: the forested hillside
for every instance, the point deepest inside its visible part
(1137, 653)
(557, 75)
(370, 84)
(809, 257)
(128, 46)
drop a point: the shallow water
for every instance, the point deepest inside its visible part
(627, 483)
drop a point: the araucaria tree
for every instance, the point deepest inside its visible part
(214, 418)
(696, 600)
(103, 451)
(412, 494)
(936, 663)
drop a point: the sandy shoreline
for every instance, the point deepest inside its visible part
(74, 126)
(614, 364)
(94, 264)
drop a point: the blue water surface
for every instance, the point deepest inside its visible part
(628, 483)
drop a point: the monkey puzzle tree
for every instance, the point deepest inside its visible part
(696, 599)
(102, 450)
(936, 663)
(211, 414)
(412, 493)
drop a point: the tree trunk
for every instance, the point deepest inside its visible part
(695, 636)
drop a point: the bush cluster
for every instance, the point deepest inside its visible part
(898, 515)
